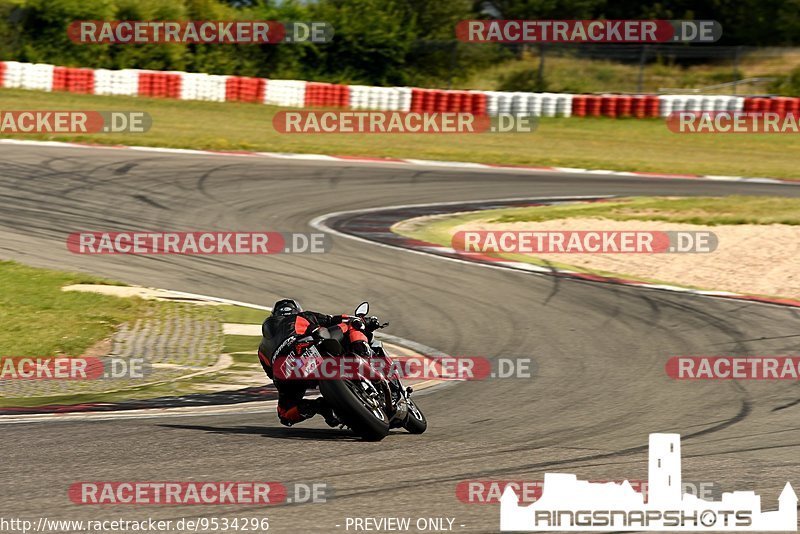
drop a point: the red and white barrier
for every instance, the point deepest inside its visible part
(116, 82)
(672, 103)
(37, 76)
(198, 86)
(300, 94)
(536, 104)
(286, 93)
(320, 94)
(160, 84)
(73, 80)
(437, 100)
(245, 89)
(380, 98)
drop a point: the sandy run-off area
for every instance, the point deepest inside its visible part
(751, 259)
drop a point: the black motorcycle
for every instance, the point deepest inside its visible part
(366, 400)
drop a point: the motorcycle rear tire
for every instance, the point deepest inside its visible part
(352, 412)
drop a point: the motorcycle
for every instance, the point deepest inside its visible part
(365, 400)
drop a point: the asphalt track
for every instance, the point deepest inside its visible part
(600, 349)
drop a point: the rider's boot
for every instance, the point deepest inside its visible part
(327, 412)
(319, 406)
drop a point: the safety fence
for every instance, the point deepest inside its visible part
(301, 94)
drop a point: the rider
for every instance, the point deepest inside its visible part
(287, 323)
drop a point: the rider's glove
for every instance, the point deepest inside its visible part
(373, 323)
(357, 323)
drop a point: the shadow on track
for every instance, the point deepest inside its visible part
(319, 434)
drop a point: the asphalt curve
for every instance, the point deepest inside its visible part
(600, 349)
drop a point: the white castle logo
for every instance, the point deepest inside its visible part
(569, 504)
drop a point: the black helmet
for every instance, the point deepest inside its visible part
(286, 307)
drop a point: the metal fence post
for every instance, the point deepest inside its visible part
(642, 57)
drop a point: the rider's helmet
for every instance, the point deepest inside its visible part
(286, 307)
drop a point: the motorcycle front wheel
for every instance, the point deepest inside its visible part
(415, 422)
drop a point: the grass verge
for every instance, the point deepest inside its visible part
(594, 143)
(40, 320)
(709, 211)
(236, 343)
(239, 314)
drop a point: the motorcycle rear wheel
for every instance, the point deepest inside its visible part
(355, 409)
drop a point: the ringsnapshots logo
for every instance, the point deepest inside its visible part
(569, 504)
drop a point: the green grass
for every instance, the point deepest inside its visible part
(243, 359)
(41, 320)
(696, 210)
(240, 314)
(595, 143)
(234, 343)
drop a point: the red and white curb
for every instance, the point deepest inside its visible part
(462, 165)
(450, 254)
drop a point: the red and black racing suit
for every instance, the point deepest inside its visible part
(279, 333)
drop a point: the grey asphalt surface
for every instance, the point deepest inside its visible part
(600, 349)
